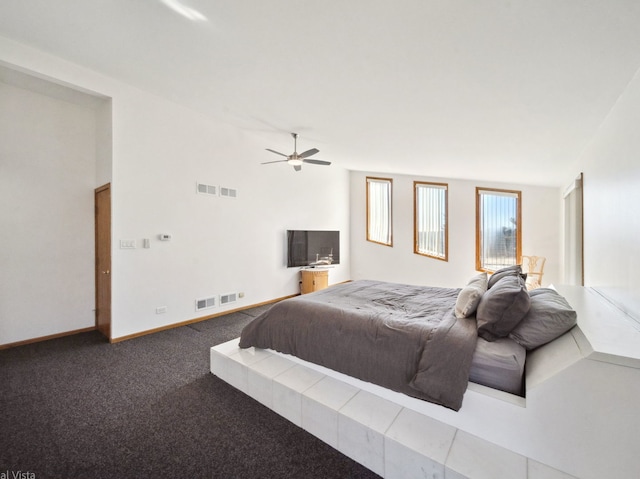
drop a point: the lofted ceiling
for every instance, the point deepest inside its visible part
(503, 90)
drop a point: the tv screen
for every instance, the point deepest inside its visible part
(312, 248)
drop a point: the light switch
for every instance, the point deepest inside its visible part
(127, 244)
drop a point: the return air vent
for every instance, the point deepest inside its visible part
(205, 303)
(207, 189)
(228, 298)
(228, 192)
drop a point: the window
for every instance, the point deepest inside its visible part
(379, 210)
(430, 226)
(498, 228)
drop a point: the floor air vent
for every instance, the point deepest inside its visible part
(228, 298)
(205, 303)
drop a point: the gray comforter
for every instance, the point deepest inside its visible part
(405, 338)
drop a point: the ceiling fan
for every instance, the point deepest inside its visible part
(296, 159)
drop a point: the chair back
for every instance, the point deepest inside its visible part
(534, 267)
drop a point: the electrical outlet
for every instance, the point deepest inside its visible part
(241, 294)
(161, 309)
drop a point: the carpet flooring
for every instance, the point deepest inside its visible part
(79, 407)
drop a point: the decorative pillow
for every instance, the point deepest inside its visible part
(470, 296)
(514, 270)
(549, 317)
(502, 307)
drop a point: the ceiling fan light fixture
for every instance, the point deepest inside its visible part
(295, 161)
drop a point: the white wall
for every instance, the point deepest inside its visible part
(540, 230)
(611, 166)
(47, 174)
(220, 245)
(104, 143)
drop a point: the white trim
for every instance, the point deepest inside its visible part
(575, 185)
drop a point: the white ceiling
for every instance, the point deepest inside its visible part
(506, 90)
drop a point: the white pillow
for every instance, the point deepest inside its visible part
(470, 295)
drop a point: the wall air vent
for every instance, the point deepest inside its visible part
(205, 303)
(207, 189)
(228, 192)
(228, 298)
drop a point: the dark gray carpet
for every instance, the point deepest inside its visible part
(78, 407)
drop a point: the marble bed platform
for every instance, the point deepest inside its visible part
(578, 418)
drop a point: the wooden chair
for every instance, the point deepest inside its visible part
(534, 267)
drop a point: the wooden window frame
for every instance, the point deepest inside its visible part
(390, 181)
(518, 194)
(416, 250)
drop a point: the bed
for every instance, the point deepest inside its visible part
(425, 342)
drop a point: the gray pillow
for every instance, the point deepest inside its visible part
(502, 307)
(549, 317)
(514, 270)
(470, 295)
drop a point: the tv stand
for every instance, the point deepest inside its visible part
(313, 279)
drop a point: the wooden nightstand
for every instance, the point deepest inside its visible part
(314, 279)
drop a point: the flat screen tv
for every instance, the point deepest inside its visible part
(312, 248)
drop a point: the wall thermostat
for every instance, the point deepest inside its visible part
(164, 237)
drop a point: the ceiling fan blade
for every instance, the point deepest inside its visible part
(276, 152)
(317, 162)
(297, 167)
(275, 161)
(307, 153)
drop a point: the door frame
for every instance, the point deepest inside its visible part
(574, 232)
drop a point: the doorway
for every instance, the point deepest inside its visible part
(103, 259)
(574, 234)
